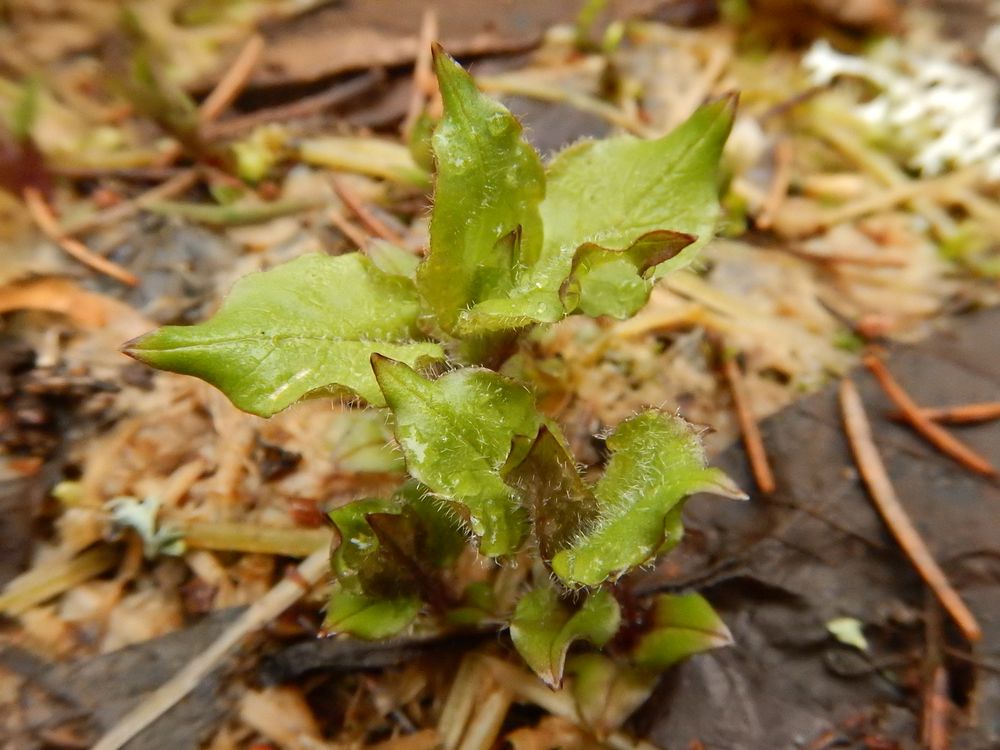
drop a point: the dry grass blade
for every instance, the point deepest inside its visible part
(42, 215)
(47, 581)
(778, 190)
(960, 414)
(884, 495)
(272, 604)
(246, 537)
(937, 435)
(854, 259)
(424, 82)
(232, 83)
(752, 439)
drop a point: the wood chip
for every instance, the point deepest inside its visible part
(891, 509)
(938, 436)
(265, 609)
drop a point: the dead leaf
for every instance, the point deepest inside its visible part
(62, 296)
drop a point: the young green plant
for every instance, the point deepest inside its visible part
(514, 244)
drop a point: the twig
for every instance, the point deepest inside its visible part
(423, 77)
(886, 501)
(233, 127)
(960, 414)
(374, 224)
(232, 83)
(46, 221)
(752, 439)
(778, 190)
(175, 185)
(937, 435)
(138, 174)
(346, 228)
(517, 84)
(936, 709)
(936, 706)
(272, 604)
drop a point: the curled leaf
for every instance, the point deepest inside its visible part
(619, 194)
(680, 626)
(657, 461)
(485, 221)
(455, 449)
(615, 282)
(363, 616)
(543, 628)
(392, 548)
(304, 329)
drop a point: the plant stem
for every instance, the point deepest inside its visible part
(245, 537)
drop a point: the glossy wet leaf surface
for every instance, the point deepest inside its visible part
(306, 328)
(680, 626)
(618, 193)
(456, 434)
(363, 616)
(488, 186)
(543, 628)
(393, 548)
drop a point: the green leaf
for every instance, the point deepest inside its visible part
(478, 606)
(485, 221)
(617, 214)
(680, 626)
(392, 259)
(561, 505)
(607, 692)
(456, 434)
(543, 628)
(358, 542)
(363, 616)
(657, 461)
(388, 548)
(304, 329)
(619, 194)
(24, 112)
